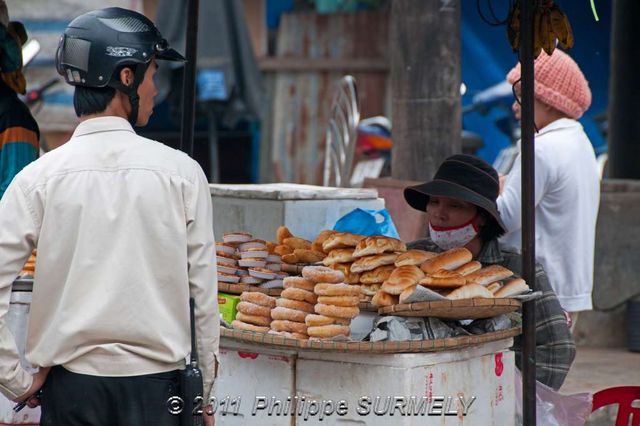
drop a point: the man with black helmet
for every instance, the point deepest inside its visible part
(124, 232)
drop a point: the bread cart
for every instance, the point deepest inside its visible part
(271, 380)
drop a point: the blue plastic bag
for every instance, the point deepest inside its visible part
(367, 222)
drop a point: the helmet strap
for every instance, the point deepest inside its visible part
(132, 91)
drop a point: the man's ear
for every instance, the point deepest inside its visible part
(126, 76)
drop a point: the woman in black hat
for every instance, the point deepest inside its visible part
(460, 203)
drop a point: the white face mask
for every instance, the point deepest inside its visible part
(448, 238)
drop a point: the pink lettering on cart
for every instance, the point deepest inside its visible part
(499, 365)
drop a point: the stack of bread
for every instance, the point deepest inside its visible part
(29, 268)
(245, 260)
(254, 312)
(337, 303)
(296, 251)
(452, 274)
(367, 261)
(295, 303)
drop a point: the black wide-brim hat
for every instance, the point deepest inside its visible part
(463, 177)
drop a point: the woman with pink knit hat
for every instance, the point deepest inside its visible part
(567, 187)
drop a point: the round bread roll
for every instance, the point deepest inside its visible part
(295, 304)
(299, 294)
(322, 274)
(290, 326)
(324, 289)
(239, 325)
(339, 300)
(253, 319)
(337, 311)
(253, 309)
(326, 331)
(281, 313)
(313, 320)
(258, 299)
(299, 282)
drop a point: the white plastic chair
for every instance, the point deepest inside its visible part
(341, 134)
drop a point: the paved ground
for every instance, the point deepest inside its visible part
(600, 368)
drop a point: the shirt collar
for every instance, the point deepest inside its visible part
(490, 253)
(562, 123)
(102, 124)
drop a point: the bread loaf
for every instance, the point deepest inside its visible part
(414, 257)
(320, 239)
(369, 263)
(308, 256)
(345, 268)
(370, 289)
(512, 288)
(339, 256)
(468, 268)
(382, 298)
(401, 278)
(448, 260)
(450, 282)
(297, 243)
(341, 240)
(378, 275)
(493, 287)
(378, 245)
(407, 292)
(282, 233)
(489, 274)
(470, 291)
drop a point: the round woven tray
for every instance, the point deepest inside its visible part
(454, 309)
(240, 288)
(408, 346)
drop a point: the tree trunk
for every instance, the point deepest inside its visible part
(425, 85)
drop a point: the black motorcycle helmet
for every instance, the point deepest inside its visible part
(96, 44)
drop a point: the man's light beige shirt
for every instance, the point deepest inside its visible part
(124, 231)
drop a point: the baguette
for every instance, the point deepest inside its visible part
(414, 257)
(297, 243)
(489, 274)
(369, 263)
(512, 288)
(449, 282)
(448, 260)
(470, 291)
(282, 233)
(401, 278)
(308, 256)
(378, 245)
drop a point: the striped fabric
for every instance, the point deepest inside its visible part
(19, 135)
(555, 349)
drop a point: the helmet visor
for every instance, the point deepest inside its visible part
(162, 51)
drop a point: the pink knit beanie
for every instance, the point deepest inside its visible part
(559, 83)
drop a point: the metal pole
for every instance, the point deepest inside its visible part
(189, 82)
(528, 214)
(624, 126)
